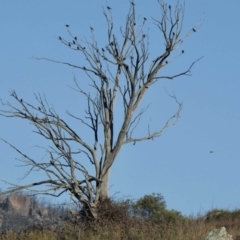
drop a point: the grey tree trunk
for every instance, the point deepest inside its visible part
(103, 189)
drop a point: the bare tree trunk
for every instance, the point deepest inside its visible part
(103, 188)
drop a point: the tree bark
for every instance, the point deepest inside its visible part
(103, 189)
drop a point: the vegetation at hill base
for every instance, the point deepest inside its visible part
(146, 218)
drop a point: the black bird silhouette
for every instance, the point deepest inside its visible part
(60, 38)
(169, 6)
(144, 19)
(39, 108)
(194, 30)
(69, 44)
(67, 25)
(83, 48)
(108, 8)
(78, 48)
(144, 35)
(103, 50)
(133, 3)
(182, 51)
(173, 33)
(91, 28)
(75, 38)
(166, 62)
(73, 42)
(21, 100)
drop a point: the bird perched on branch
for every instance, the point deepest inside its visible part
(67, 25)
(108, 8)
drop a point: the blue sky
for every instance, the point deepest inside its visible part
(179, 164)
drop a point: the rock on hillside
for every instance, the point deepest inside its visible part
(219, 234)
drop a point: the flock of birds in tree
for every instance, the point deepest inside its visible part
(109, 8)
(75, 39)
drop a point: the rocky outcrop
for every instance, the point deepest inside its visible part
(19, 204)
(20, 212)
(219, 234)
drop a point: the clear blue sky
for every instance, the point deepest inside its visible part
(179, 164)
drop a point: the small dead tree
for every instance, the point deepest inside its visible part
(119, 69)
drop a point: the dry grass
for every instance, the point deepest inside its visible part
(116, 224)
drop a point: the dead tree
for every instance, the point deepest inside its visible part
(120, 69)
